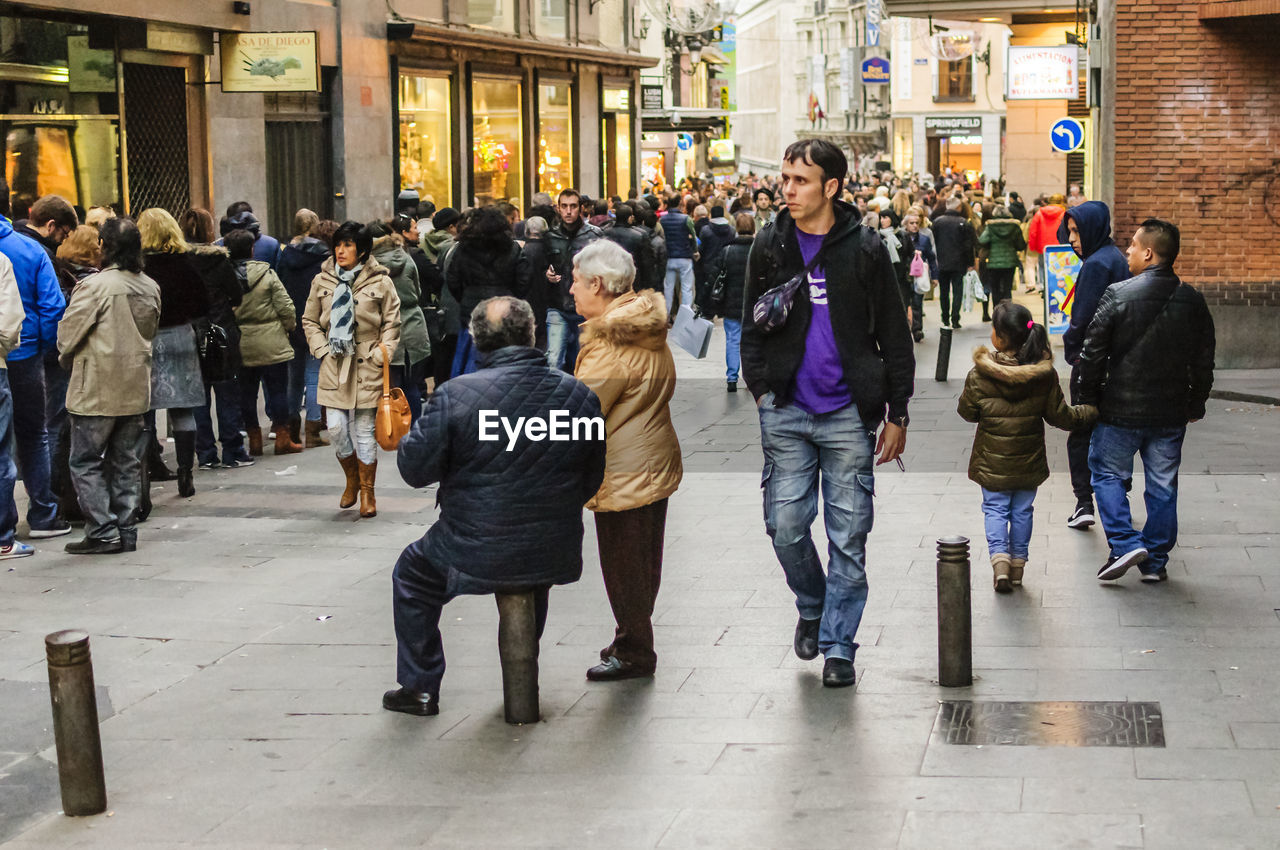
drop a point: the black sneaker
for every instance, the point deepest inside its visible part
(92, 546)
(408, 702)
(838, 673)
(1082, 517)
(1116, 567)
(612, 669)
(57, 528)
(731, 386)
(1155, 578)
(238, 462)
(207, 465)
(806, 642)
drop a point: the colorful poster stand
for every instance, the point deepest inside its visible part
(1061, 268)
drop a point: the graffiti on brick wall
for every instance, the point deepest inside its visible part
(1265, 180)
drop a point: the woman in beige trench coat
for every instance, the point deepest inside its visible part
(352, 308)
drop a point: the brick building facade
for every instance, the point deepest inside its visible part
(1197, 140)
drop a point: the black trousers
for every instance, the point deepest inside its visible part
(1078, 452)
(419, 591)
(951, 291)
(1001, 284)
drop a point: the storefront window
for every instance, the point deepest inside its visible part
(553, 18)
(615, 135)
(425, 153)
(555, 137)
(497, 149)
(494, 14)
(58, 115)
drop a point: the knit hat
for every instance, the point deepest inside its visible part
(445, 218)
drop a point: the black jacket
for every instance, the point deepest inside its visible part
(472, 277)
(955, 241)
(184, 297)
(297, 267)
(715, 235)
(867, 316)
(636, 243)
(508, 519)
(1148, 356)
(562, 246)
(732, 259)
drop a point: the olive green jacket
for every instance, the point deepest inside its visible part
(1011, 402)
(265, 316)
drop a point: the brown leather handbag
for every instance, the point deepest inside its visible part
(393, 409)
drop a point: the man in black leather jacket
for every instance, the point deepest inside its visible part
(1147, 365)
(511, 495)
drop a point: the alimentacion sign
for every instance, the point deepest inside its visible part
(269, 62)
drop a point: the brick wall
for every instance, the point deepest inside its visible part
(1198, 142)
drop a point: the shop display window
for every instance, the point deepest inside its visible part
(555, 137)
(497, 142)
(425, 139)
(616, 142)
(59, 115)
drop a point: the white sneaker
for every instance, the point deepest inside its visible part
(1114, 568)
(16, 550)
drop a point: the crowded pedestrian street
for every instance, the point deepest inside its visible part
(240, 655)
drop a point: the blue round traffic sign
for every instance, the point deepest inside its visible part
(1067, 135)
(684, 141)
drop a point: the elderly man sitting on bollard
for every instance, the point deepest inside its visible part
(517, 448)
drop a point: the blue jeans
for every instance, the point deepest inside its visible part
(8, 472)
(679, 269)
(466, 357)
(732, 349)
(26, 383)
(1007, 516)
(562, 339)
(1111, 452)
(802, 450)
(274, 379)
(229, 423)
(304, 377)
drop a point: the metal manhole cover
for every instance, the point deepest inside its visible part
(1051, 724)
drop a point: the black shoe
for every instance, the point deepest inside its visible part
(408, 702)
(838, 673)
(806, 642)
(731, 386)
(186, 486)
(1116, 567)
(207, 465)
(92, 546)
(128, 544)
(919, 336)
(955, 326)
(238, 462)
(57, 528)
(1082, 517)
(612, 669)
(1155, 578)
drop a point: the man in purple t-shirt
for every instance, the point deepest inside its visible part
(840, 365)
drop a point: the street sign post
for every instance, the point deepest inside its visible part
(1067, 135)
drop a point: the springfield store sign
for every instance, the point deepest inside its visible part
(269, 61)
(1044, 73)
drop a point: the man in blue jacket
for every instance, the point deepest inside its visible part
(1088, 228)
(43, 302)
(512, 488)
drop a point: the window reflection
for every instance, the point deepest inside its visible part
(497, 149)
(555, 137)
(494, 14)
(425, 156)
(553, 18)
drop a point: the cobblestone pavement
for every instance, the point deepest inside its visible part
(241, 653)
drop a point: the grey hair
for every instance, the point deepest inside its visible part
(535, 226)
(608, 261)
(541, 199)
(953, 203)
(514, 325)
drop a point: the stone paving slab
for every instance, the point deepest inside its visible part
(244, 647)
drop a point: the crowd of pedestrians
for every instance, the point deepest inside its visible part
(533, 355)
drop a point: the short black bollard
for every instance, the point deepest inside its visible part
(518, 650)
(75, 723)
(955, 633)
(944, 354)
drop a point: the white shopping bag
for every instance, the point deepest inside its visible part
(690, 332)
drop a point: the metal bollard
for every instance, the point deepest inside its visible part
(944, 355)
(75, 723)
(955, 633)
(518, 650)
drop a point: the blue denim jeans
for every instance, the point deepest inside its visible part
(562, 339)
(679, 269)
(1007, 517)
(732, 349)
(229, 423)
(1111, 452)
(801, 452)
(30, 430)
(8, 472)
(466, 357)
(304, 376)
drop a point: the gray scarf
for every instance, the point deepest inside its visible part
(342, 318)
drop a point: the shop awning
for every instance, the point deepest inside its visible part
(683, 120)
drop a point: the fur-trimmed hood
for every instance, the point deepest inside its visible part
(1014, 379)
(200, 249)
(635, 318)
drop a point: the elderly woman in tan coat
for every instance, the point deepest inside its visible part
(352, 312)
(624, 358)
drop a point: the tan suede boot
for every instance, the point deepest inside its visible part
(351, 466)
(315, 434)
(1000, 569)
(284, 441)
(255, 440)
(1016, 566)
(368, 473)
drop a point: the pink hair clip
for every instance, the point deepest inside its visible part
(1031, 325)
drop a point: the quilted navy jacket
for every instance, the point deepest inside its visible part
(508, 519)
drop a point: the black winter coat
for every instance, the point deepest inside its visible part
(297, 267)
(1147, 360)
(955, 241)
(184, 297)
(867, 316)
(562, 246)
(636, 243)
(508, 519)
(732, 259)
(472, 277)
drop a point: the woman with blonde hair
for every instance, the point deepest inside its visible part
(176, 382)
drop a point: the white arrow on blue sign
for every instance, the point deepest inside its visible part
(1067, 135)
